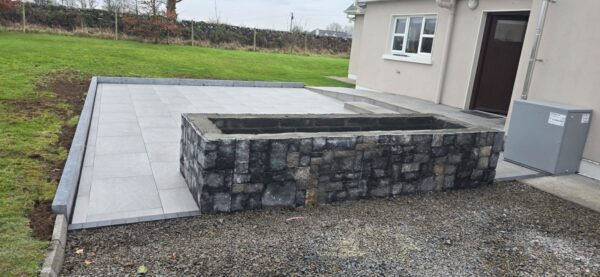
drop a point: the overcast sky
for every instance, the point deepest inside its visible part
(271, 14)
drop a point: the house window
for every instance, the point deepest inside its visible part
(413, 37)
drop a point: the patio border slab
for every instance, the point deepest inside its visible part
(64, 199)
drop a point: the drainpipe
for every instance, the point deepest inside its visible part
(536, 47)
(451, 6)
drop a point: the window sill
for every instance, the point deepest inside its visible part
(410, 59)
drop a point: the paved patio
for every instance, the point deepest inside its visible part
(131, 165)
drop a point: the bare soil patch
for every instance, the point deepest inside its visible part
(41, 220)
(67, 87)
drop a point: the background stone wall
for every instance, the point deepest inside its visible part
(234, 175)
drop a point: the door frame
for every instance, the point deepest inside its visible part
(470, 95)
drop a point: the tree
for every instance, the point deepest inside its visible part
(336, 27)
(42, 2)
(114, 5)
(153, 6)
(68, 3)
(92, 4)
(172, 8)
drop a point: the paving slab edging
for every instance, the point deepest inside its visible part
(197, 82)
(56, 250)
(64, 199)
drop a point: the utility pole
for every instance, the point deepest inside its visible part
(24, 20)
(292, 22)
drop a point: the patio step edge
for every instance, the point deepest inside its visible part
(366, 108)
(346, 97)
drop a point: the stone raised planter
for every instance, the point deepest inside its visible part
(241, 162)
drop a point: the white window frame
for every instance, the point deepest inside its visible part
(402, 55)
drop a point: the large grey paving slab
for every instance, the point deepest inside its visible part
(121, 165)
(111, 195)
(120, 145)
(118, 129)
(167, 176)
(163, 151)
(177, 200)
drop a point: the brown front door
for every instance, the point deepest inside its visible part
(499, 61)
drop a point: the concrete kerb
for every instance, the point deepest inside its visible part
(56, 250)
(64, 198)
(197, 82)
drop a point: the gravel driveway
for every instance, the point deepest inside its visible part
(503, 229)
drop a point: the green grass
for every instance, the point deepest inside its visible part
(26, 134)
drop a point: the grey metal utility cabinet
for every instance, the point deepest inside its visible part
(547, 136)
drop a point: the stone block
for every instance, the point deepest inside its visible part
(278, 156)
(214, 179)
(483, 163)
(241, 178)
(253, 188)
(485, 151)
(302, 177)
(439, 169)
(222, 202)
(334, 186)
(438, 140)
(279, 195)
(341, 143)
(242, 151)
(306, 146)
(411, 167)
(319, 144)
(378, 192)
(428, 184)
(293, 159)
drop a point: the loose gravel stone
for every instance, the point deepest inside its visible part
(502, 229)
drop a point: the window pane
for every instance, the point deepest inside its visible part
(429, 28)
(414, 34)
(426, 45)
(398, 43)
(510, 30)
(400, 25)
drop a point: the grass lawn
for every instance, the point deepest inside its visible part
(39, 75)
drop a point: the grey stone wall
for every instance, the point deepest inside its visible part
(227, 175)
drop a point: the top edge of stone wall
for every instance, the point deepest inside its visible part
(203, 125)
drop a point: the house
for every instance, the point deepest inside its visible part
(329, 33)
(475, 54)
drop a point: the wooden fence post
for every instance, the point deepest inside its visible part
(254, 44)
(305, 43)
(24, 20)
(116, 26)
(192, 32)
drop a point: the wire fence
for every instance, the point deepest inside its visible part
(158, 29)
